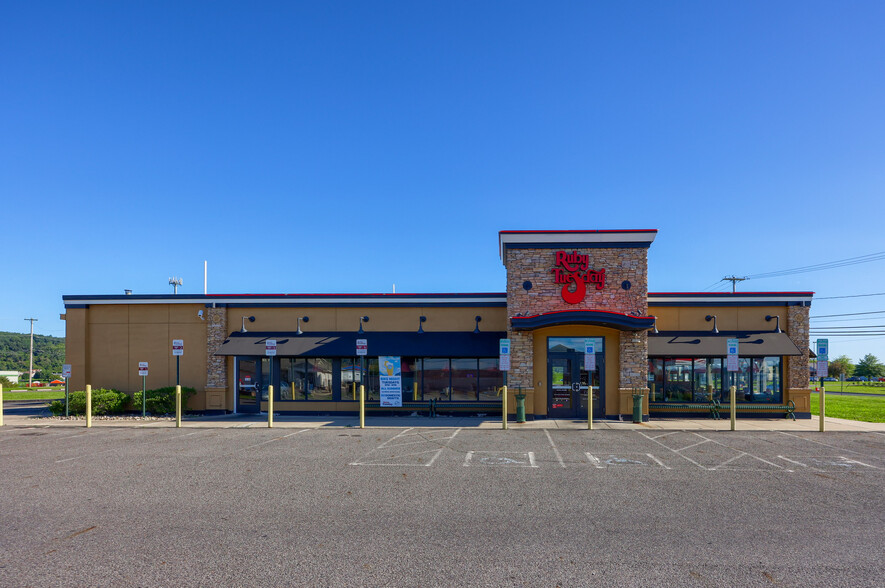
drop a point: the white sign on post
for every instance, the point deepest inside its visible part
(177, 347)
(270, 347)
(142, 368)
(362, 347)
(504, 355)
(823, 357)
(390, 376)
(66, 370)
(732, 359)
(589, 355)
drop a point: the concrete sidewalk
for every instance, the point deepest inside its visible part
(316, 422)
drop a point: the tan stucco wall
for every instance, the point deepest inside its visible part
(728, 318)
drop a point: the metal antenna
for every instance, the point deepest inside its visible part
(733, 279)
(175, 283)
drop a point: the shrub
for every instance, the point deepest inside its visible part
(6, 383)
(162, 400)
(103, 402)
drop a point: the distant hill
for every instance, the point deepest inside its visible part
(49, 352)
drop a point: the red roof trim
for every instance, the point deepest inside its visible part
(726, 294)
(580, 310)
(362, 295)
(578, 231)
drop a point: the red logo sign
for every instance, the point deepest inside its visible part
(573, 268)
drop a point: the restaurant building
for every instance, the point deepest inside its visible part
(564, 290)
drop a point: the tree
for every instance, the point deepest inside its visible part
(870, 367)
(841, 366)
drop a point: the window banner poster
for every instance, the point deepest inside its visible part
(391, 381)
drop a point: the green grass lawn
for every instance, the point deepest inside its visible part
(871, 410)
(851, 387)
(34, 395)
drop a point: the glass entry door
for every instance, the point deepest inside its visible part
(248, 385)
(568, 383)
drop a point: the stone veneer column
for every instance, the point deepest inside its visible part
(216, 365)
(621, 264)
(797, 327)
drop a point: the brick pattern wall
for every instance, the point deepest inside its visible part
(797, 328)
(536, 266)
(216, 333)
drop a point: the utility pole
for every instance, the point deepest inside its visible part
(31, 366)
(734, 280)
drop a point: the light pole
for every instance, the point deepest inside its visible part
(31, 364)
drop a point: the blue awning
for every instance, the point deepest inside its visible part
(439, 344)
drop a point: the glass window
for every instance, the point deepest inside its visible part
(293, 377)
(766, 379)
(265, 376)
(319, 379)
(350, 378)
(656, 380)
(465, 380)
(411, 373)
(247, 385)
(677, 386)
(436, 379)
(744, 381)
(572, 344)
(491, 379)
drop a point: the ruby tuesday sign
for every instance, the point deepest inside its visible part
(574, 268)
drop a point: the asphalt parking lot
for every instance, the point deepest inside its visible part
(440, 506)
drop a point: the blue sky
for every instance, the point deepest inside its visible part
(348, 146)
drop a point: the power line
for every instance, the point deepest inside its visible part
(848, 314)
(852, 296)
(822, 266)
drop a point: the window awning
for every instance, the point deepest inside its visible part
(441, 344)
(709, 345)
(602, 318)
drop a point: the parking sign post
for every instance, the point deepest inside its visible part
(143, 372)
(66, 373)
(178, 351)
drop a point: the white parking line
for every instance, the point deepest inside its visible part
(860, 463)
(436, 452)
(594, 460)
(90, 454)
(804, 465)
(555, 450)
(688, 459)
(660, 463)
(269, 440)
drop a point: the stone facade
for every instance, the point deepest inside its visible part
(797, 328)
(216, 333)
(536, 265)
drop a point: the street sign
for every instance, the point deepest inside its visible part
(589, 355)
(270, 347)
(823, 357)
(362, 347)
(142, 368)
(66, 370)
(504, 355)
(178, 347)
(732, 354)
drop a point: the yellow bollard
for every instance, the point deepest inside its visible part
(88, 406)
(354, 390)
(732, 397)
(589, 408)
(823, 406)
(1, 405)
(362, 406)
(414, 393)
(178, 406)
(292, 391)
(270, 407)
(504, 409)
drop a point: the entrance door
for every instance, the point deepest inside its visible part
(568, 382)
(248, 385)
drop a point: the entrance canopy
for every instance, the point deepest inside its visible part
(602, 318)
(709, 345)
(441, 344)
